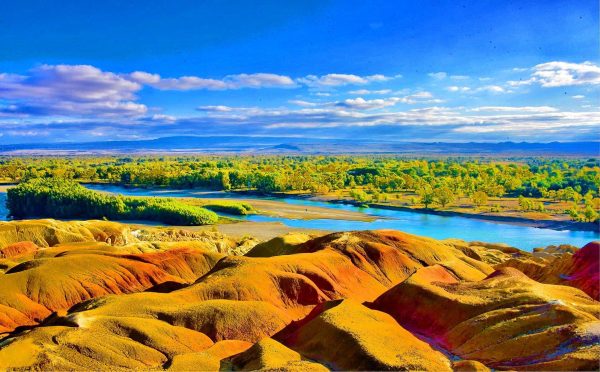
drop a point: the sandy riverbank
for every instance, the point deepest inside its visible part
(553, 224)
(274, 208)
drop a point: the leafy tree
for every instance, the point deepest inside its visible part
(426, 195)
(573, 212)
(590, 214)
(479, 198)
(360, 196)
(225, 182)
(444, 195)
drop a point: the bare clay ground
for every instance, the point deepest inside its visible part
(260, 230)
(275, 208)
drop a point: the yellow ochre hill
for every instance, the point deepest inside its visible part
(103, 295)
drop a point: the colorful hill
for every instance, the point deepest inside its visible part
(101, 295)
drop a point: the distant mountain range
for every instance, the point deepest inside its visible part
(286, 145)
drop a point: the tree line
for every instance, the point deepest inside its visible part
(369, 178)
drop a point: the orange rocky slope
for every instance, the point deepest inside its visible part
(64, 263)
(578, 269)
(491, 320)
(361, 300)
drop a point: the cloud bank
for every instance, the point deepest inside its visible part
(82, 101)
(560, 74)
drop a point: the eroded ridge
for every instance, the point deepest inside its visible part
(99, 295)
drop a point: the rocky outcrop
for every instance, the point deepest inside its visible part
(34, 289)
(579, 268)
(490, 320)
(17, 250)
(51, 233)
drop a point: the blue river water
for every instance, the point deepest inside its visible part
(438, 227)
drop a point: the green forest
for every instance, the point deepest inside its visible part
(431, 183)
(57, 198)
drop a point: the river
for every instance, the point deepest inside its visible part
(438, 227)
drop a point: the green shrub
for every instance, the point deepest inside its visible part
(58, 198)
(230, 207)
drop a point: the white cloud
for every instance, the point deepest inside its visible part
(514, 109)
(558, 74)
(216, 108)
(360, 103)
(299, 102)
(363, 104)
(459, 77)
(438, 75)
(534, 122)
(334, 80)
(534, 125)
(485, 88)
(455, 88)
(420, 95)
(145, 78)
(67, 82)
(431, 122)
(366, 91)
(491, 89)
(522, 120)
(259, 80)
(188, 83)
(69, 90)
(28, 133)
(163, 118)
(73, 92)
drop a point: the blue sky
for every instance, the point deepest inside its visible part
(398, 70)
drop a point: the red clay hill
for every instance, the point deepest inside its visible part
(100, 295)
